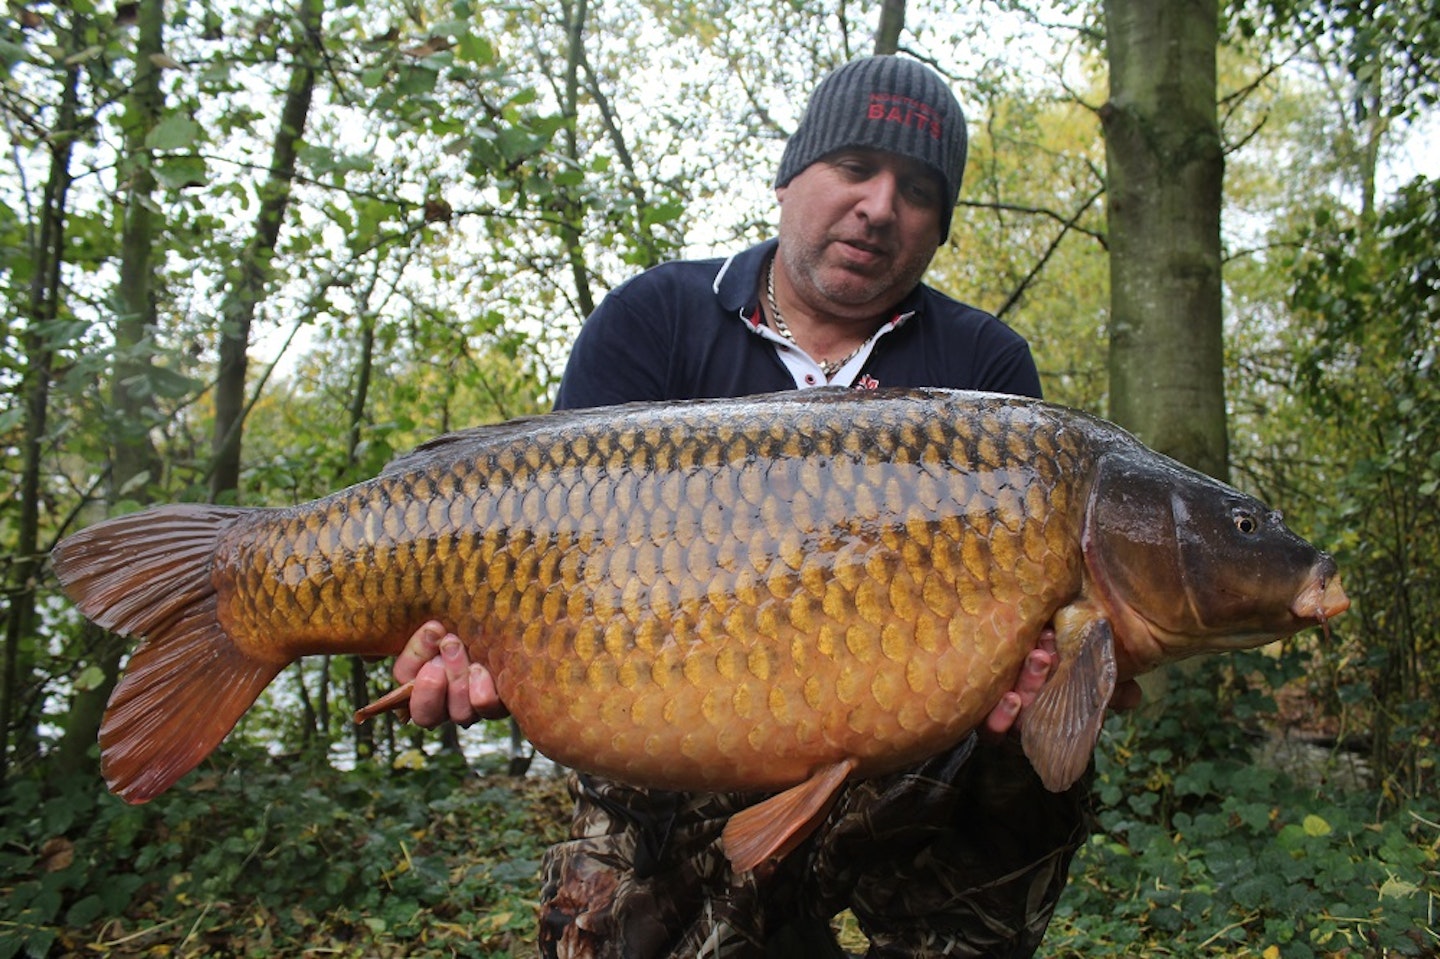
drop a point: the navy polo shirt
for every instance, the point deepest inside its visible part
(686, 330)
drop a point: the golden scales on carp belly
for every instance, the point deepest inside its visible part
(772, 593)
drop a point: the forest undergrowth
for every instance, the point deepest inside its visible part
(254, 856)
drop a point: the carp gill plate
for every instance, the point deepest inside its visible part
(771, 593)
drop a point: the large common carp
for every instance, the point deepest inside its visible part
(772, 593)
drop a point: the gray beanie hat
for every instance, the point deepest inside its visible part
(885, 103)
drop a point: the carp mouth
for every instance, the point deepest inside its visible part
(1321, 597)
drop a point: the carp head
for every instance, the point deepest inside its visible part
(1188, 565)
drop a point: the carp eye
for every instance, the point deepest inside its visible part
(1246, 522)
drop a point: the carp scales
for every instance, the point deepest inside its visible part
(772, 593)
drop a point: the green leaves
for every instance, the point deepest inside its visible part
(1250, 861)
(1370, 296)
(181, 172)
(175, 132)
(431, 863)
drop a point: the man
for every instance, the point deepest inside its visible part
(964, 855)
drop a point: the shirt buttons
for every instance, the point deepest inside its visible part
(809, 379)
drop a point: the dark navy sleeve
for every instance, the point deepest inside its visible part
(957, 346)
(665, 334)
(1010, 368)
(621, 355)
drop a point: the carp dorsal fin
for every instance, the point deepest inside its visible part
(476, 441)
(462, 444)
(772, 828)
(1063, 724)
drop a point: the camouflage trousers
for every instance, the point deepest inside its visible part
(963, 855)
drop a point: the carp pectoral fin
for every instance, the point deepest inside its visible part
(1060, 728)
(771, 829)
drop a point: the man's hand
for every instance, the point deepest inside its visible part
(1038, 664)
(1033, 673)
(446, 684)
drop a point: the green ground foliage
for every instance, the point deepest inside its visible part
(266, 858)
(253, 856)
(1202, 849)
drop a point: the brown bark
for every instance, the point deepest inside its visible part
(252, 274)
(17, 732)
(134, 463)
(1165, 171)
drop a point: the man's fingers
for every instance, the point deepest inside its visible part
(422, 646)
(457, 680)
(1034, 674)
(1002, 718)
(484, 699)
(429, 695)
(1046, 642)
(1039, 663)
(448, 686)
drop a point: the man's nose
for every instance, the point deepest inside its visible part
(878, 197)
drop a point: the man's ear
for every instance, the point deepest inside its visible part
(780, 193)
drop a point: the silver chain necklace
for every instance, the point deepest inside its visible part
(828, 367)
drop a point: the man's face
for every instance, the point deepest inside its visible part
(858, 229)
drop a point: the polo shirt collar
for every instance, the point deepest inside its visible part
(737, 282)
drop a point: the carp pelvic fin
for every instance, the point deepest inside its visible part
(771, 829)
(1063, 724)
(148, 574)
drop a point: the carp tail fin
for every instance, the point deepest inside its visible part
(148, 574)
(132, 573)
(1062, 725)
(184, 689)
(772, 828)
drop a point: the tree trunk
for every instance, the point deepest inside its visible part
(82, 721)
(892, 23)
(252, 273)
(134, 463)
(1164, 176)
(322, 697)
(359, 696)
(1165, 170)
(17, 732)
(364, 733)
(572, 211)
